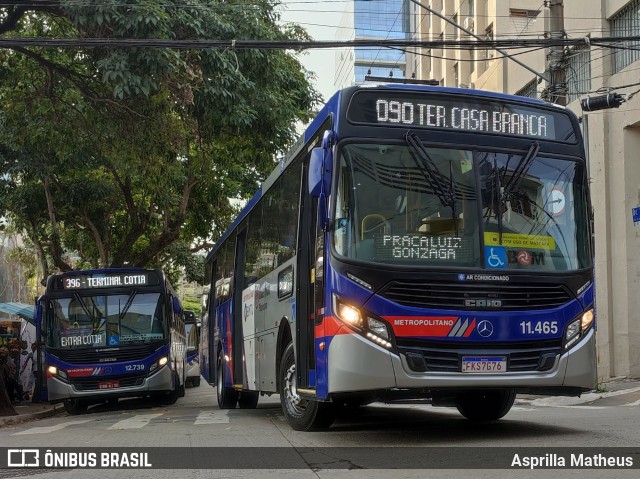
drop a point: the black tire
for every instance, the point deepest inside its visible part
(301, 414)
(172, 396)
(195, 382)
(227, 397)
(248, 400)
(75, 406)
(489, 405)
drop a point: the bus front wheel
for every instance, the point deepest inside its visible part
(75, 406)
(172, 396)
(489, 405)
(301, 414)
(227, 397)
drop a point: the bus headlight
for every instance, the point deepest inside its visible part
(349, 314)
(577, 328)
(161, 362)
(586, 320)
(378, 328)
(374, 329)
(59, 373)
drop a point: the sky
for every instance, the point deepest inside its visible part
(320, 19)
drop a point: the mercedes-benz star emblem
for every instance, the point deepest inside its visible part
(485, 328)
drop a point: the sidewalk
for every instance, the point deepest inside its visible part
(608, 389)
(28, 411)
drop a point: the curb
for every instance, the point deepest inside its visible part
(11, 420)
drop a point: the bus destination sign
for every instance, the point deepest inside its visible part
(415, 110)
(105, 281)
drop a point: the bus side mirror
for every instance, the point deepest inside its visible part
(320, 171)
(177, 309)
(316, 167)
(37, 314)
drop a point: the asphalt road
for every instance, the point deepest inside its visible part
(359, 439)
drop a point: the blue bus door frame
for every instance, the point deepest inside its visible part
(40, 388)
(236, 310)
(309, 296)
(210, 362)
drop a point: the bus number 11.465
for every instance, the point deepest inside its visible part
(539, 327)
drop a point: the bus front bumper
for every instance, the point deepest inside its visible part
(59, 390)
(193, 370)
(356, 364)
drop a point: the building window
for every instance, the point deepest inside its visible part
(624, 24)
(521, 20)
(530, 89)
(578, 73)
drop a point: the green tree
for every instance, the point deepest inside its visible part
(129, 156)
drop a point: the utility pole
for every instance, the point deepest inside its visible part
(556, 91)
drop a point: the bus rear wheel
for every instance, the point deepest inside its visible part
(227, 397)
(301, 414)
(489, 405)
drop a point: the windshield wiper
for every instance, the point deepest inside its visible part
(95, 318)
(498, 198)
(126, 307)
(519, 172)
(444, 192)
(509, 189)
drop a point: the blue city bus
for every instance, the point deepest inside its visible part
(192, 330)
(419, 242)
(109, 334)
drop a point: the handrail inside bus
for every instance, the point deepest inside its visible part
(384, 223)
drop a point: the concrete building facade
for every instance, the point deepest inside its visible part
(613, 136)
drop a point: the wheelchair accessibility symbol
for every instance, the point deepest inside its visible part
(495, 257)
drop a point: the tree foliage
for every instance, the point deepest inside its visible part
(117, 156)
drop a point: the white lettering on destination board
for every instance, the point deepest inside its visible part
(421, 247)
(86, 340)
(461, 118)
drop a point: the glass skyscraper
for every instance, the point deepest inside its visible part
(375, 19)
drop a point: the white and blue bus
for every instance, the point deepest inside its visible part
(192, 330)
(418, 242)
(109, 334)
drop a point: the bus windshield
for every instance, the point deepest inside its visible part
(413, 205)
(105, 320)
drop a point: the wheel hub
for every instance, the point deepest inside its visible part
(291, 388)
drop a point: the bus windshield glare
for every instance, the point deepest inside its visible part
(409, 204)
(96, 321)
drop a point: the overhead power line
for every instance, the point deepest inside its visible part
(10, 42)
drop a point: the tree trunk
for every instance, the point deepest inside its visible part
(6, 408)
